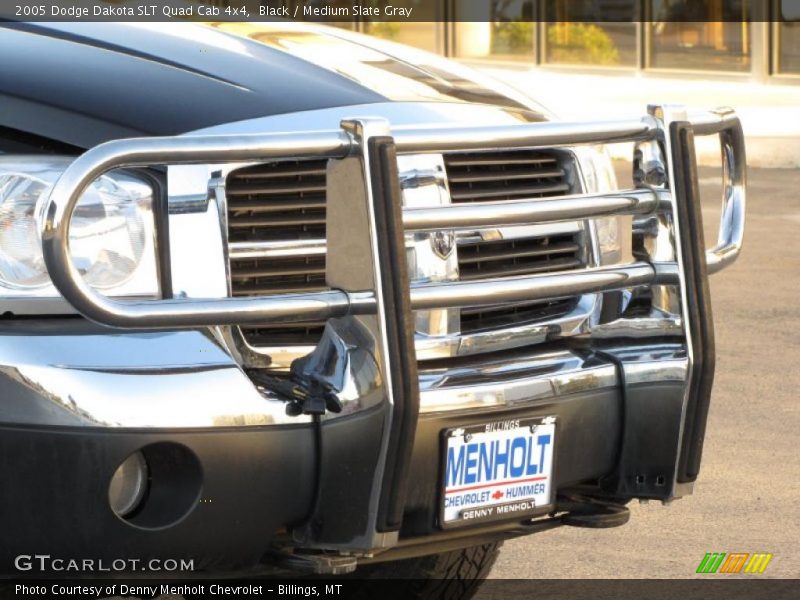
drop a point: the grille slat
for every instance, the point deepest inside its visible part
(277, 205)
(294, 335)
(484, 251)
(278, 221)
(491, 272)
(277, 288)
(498, 158)
(311, 169)
(507, 192)
(477, 176)
(245, 274)
(284, 233)
(276, 190)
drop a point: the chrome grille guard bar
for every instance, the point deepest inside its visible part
(337, 145)
(726, 124)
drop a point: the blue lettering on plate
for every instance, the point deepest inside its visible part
(470, 475)
(485, 462)
(455, 467)
(497, 460)
(518, 447)
(500, 458)
(543, 441)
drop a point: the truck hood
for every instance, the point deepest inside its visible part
(86, 83)
(401, 115)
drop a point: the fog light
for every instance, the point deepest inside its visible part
(128, 485)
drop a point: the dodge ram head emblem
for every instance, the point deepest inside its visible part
(442, 243)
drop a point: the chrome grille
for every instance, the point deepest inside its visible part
(507, 175)
(475, 320)
(285, 202)
(479, 259)
(279, 201)
(512, 175)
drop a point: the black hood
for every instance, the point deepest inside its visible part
(86, 83)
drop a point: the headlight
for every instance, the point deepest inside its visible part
(111, 235)
(613, 233)
(608, 239)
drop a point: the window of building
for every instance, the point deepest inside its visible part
(502, 29)
(682, 35)
(591, 32)
(788, 38)
(424, 34)
(720, 42)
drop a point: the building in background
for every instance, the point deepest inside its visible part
(745, 39)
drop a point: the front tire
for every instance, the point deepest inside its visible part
(452, 575)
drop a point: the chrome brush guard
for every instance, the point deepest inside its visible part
(371, 300)
(337, 145)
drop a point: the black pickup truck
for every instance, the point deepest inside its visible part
(285, 297)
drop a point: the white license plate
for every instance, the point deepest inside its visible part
(500, 470)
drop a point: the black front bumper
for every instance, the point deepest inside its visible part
(77, 402)
(260, 483)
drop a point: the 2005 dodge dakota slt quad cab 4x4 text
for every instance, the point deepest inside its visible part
(283, 296)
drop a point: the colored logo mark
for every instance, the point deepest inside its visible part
(734, 562)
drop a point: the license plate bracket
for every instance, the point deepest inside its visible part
(495, 471)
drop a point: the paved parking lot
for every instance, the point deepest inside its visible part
(748, 496)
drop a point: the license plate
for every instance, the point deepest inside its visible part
(496, 471)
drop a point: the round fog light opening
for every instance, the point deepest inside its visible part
(128, 485)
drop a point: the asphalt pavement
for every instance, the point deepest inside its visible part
(747, 498)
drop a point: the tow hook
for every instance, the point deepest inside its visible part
(340, 369)
(303, 395)
(312, 563)
(593, 513)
